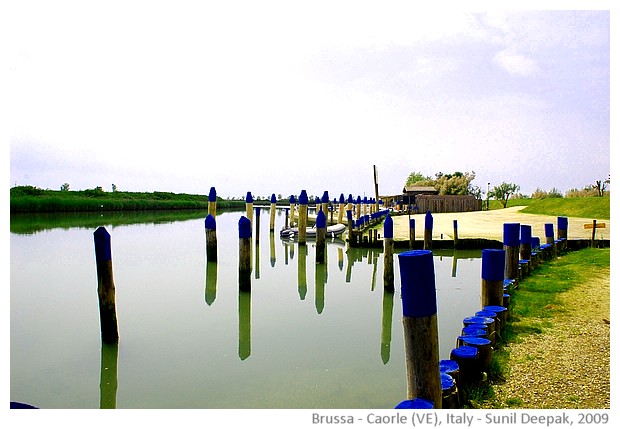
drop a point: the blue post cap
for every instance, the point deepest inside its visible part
(321, 220)
(388, 227)
(548, 230)
(535, 242)
(273, 199)
(292, 199)
(416, 403)
(495, 308)
(359, 200)
(245, 227)
(493, 264)
(448, 365)
(317, 201)
(474, 331)
(411, 223)
(486, 313)
(511, 234)
(562, 223)
(417, 275)
(455, 223)
(257, 210)
(212, 194)
(248, 197)
(103, 248)
(365, 200)
(447, 381)
(428, 220)
(303, 197)
(526, 234)
(478, 320)
(325, 197)
(465, 352)
(349, 215)
(210, 222)
(350, 199)
(474, 341)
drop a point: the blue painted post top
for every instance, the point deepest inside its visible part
(103, 248)
(365, 200)
(511, 234)
(273, 199)
(245, 227)
(455, 223)
(212, 194)
(465, 352)
(317, 201)
(210, 222)
(303, 197)
(562, 223)
(447, 382)
(548, 230)
(495, 308)
(428, 220)
(257, 211)
(325, 198)
(448, 365)
(248, 197)
(349, 215)
(415, 404)
(321, 220)
(350, 199)
(292, 199)
(341, 199)
(359, 200)
(493, 264)
(411, 223)
(526, 234)
(388, 227)
(535, 242)
(417, 274)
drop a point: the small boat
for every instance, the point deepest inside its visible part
(332, 231)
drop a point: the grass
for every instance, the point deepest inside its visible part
(586, 207)
(533, 307)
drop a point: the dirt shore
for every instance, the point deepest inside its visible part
(489, 225)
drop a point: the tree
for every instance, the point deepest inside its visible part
(600, 186)
(417, 178)
(456, 183)
(503, 192)
(113, 187)
(64, 187)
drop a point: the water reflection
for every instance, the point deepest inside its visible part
(108, 384)
(386, 325)
(211, 282)
(245, 324)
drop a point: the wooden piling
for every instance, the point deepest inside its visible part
(257, 222)
(525, 242)
(550, 238)
(212, 206)
(419, 302)
(388, 254)
(456, 233)
(411, 233)
(211, 238)
(249, 206)
(105, 286)
(341, 208)
(511, 246)
(292, 210)
(321, 231)
(428, 231)
(272, 213)
(562, 232)
(593, 239)
(492, 285)
(303, 217)
(245, 253)
(324, 204)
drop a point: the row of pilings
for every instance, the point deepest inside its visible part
(434, 383)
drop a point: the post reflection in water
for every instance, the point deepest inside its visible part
(386, 325)
(108, 384)
(302, 283)
(245, 324)
(320, 274)
(272, 249)
(211, 282)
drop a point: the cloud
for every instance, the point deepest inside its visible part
(515, 63)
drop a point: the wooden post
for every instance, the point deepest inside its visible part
(249, 206)
(245, 253)
(352, 237)
(292, 212)
(105, 286)
(428, 231)
(340, 208)
(324, 204)
(212, 207)
(388, 254)
(411, 233)
(272, 213)
(303, 217)
(376, 178)
(511, 246)
(550, 238)
(211, 237)
(525, 243)
(592, 240)
(257, 217)
(492, 287)
(419, 303)
(321, 231)
(562, 232)
(358, 208)
(456, 233)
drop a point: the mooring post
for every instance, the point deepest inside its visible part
(593, 239)
(105, 286)
(550, 238)
(456, 233)
(249, 206)
(525, 243)
(351, 232)
(340, 208)
(212, 207)
(563, 232)
(291, 201)
(257, 217)
(211, 237)
(358, 208)
(272, 213)
(411, 233)
(321, 231)
(428, 231)
(511, 246)
(245, 253)
(419, 302)
(492, 285)
(324, 204)
(388, 254)
(303, 217)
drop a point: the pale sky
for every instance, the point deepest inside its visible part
(276, 97)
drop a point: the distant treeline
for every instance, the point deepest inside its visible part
(27, 199)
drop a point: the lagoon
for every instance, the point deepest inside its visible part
(306, 336)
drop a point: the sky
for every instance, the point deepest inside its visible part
(275, 97)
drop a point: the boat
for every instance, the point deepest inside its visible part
(332, 231)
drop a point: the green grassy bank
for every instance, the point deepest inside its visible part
(588, 207)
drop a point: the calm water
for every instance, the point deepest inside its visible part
(307, 336)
